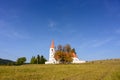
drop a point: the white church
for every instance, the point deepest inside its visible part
(53, 61)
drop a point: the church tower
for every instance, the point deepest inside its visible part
(51, 54)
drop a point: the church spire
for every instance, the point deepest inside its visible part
(52, 44)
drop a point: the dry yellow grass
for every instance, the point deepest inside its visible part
(99, 70)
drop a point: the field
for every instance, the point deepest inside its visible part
(97, 70)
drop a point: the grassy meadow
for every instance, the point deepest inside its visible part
(95, 70)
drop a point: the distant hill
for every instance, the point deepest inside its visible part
(5, 61)
(107, 61)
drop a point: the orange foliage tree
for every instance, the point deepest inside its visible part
(64, 54)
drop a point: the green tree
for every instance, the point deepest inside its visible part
(42, 60)
(21, 60)
(33, 60)
(38, 60)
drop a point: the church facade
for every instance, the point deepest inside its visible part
(53, 61)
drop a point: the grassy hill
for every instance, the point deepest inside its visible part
(94, 70)
(5, 61)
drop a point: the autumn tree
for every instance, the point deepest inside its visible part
(67, 48)
(59, 48)
(63, 54)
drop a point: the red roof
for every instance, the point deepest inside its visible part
(52, 44)
(74, 55)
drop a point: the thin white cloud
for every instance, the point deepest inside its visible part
(87, 43)
(95, 43)
(52, 24)
(16, 35)
(13, 34)
(101, 43)
(9, 13)
(6, 30)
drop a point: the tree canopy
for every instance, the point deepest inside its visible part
(63, 54)
(21, 60)
(38, 60)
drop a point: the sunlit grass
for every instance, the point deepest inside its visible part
(98, 70)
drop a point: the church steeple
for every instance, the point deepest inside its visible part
(52, 44)
(51, 54)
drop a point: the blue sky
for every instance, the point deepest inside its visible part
(92, 27)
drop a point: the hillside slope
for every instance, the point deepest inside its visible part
(5, 61)
(96, 70)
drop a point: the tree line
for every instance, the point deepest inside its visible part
(22, 60)
(38, 60)
(34, 60)
(63, 55)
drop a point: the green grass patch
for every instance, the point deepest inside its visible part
(97, 70)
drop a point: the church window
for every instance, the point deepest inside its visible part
(52, 50)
